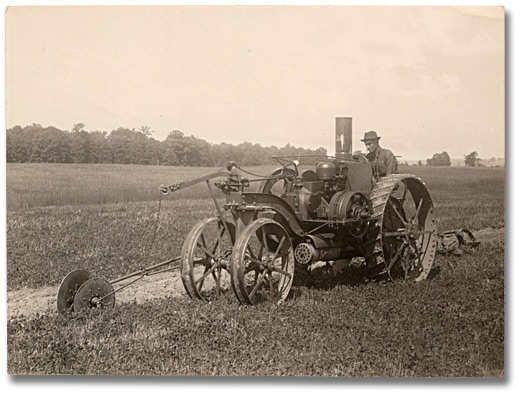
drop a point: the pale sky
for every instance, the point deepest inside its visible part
(427, 79)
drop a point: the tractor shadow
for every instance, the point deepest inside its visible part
(325, 277)
(352, 275)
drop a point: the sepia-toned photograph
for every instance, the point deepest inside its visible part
(297, 191)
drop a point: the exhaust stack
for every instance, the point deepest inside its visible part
(344, 138)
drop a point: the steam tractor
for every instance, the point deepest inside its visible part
(269, 226)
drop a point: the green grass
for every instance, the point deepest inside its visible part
(465, 197)
(36, 185)
(452, 324)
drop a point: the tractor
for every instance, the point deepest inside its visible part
(271, 227)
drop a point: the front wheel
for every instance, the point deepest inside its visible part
(262, 264)
(205, 259)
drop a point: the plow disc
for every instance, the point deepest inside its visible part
(94, 293)
(68, 289)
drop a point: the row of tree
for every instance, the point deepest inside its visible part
(443, 159)
(129, 146)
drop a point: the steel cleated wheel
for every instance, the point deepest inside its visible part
(206, 257)
(402, 240)
(262, 266)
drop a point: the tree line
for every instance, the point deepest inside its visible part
(443, 159)
(35, 143)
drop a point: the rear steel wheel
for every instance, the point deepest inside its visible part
(402, 241)
(205, 259)
(262, 263)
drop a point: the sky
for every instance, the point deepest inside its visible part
(427, 79)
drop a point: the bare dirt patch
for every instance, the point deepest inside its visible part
(30, 302)
(488, 235)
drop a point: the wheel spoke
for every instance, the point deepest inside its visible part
(397, 254)
(399, 214)
(404, 193)
(257, 285)
(278, 248)
(257, 261)
(201, 283)
(263, 243)
(216, 277)
(394, 234)
(206, 273)
(208, 253)
(286, 274)
(416, 215)
(218, 242)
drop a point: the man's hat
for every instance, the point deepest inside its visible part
(370, 136)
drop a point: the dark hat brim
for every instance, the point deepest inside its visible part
(371, 139)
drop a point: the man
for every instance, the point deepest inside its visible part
(383, 160)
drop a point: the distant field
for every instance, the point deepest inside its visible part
(37, 185)
(102, 218)
(457, 192)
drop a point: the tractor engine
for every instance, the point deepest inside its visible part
(337, 191)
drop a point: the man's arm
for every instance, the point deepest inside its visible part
(390, 162)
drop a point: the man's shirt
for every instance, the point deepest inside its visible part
(383, 162)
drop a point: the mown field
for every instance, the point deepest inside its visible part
(102, 218)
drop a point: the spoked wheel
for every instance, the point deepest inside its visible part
(277, 186)
(205, 259)
(262, 263)
(405, 235)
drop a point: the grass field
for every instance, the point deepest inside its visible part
(102, 218)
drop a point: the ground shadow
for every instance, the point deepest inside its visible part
(325, 278)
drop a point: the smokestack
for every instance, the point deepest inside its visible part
(344, 138)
